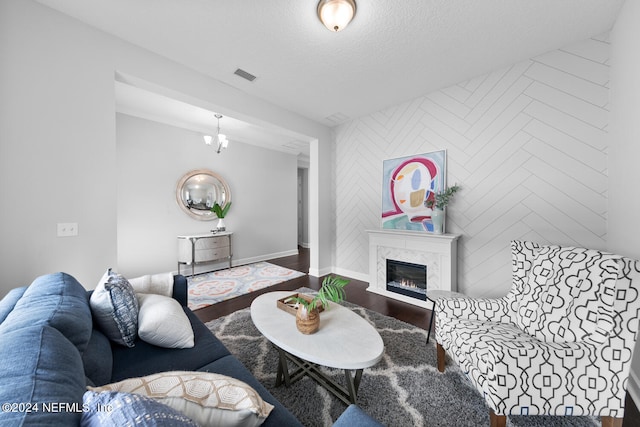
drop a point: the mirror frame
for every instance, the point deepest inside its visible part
(196, 213)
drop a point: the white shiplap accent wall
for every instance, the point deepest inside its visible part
(526, 143)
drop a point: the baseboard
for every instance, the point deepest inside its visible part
(267, 257)
(319, 272)
(304, 245)
(351, 274)
(633, 388)
(340, 272)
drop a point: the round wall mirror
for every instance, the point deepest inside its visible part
(198, 190)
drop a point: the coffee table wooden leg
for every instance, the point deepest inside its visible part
(353, 384)
(283, 369)
(347, 394)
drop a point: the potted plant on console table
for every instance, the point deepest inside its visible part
(220, 212)
(308, 314)
(437, 204)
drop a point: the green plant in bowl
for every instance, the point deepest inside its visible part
(332, 289)
(307, 314)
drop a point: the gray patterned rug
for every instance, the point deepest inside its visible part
(403, 389)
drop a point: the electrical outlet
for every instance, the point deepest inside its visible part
(67, 229)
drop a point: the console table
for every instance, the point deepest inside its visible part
(202, 248)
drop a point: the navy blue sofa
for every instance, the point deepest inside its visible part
(50, 351)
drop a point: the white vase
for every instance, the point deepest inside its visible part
(437, 218)
(220, 226)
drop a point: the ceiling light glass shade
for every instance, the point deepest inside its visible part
(221, 139)
(223, 142)
(336, 14)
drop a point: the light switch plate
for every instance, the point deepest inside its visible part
(67, 229)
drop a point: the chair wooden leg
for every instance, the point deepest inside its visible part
(497, 420)
(611, 421)
(441, 357)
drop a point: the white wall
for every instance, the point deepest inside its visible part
(527, 144)
(624, 151)
(303, 233)
(58, 144)
(152, 157)
(321, 209)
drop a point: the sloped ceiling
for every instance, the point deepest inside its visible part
(391, 52)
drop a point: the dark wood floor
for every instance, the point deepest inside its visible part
(357, 294)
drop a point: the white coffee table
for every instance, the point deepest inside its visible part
(345, 341)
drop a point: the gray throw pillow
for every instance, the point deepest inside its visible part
(115, 309)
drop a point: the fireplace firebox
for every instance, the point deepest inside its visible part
(407, 279)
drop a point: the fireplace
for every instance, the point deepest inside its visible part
(407, 279)
(438, 252)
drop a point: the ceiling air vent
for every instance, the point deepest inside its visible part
(336, 119)
(242, 73)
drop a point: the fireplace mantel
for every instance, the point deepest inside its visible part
(439, 252)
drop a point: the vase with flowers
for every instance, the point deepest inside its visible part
(438, 204)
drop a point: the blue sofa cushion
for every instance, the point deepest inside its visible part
(356, 417)
(9, 301)
(40, 366)
(145, 359)
(230, 366)
(57, 300)
(98, 359)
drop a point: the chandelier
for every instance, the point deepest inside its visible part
(221, 140)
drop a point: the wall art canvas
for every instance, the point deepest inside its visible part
(407, 183)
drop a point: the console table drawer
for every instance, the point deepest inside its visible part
(211, 243)
(205, 255)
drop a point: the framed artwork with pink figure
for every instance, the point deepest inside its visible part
(407, 183)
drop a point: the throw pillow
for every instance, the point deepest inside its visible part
(205, 397)
(115, 308)
(162, 322)
(161, 284)
(125, 409)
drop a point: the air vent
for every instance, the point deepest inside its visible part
(336, 119)
(242, 73)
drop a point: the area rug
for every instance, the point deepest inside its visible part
(403, 389)
(210, 288)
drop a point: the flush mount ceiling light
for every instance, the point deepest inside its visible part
(221, 139)
(336, 14)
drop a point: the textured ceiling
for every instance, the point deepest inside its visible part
(393, 50)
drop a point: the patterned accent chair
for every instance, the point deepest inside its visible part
(559, 343)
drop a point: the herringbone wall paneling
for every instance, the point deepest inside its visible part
(527, 144)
